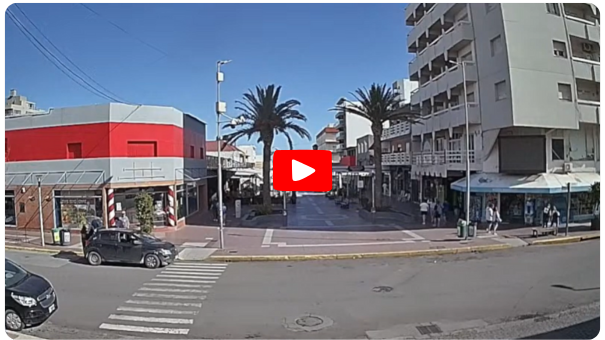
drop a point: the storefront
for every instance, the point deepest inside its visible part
(521, 200)
(125, 202)
(10, 217)
(73, 208)
(188, 199)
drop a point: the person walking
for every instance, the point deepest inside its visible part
(497, 219)
(424, 210)
(555, 216)
(489, 217)
(546, 216)
(437, 212)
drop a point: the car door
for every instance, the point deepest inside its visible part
(108, 245)
(129, 250)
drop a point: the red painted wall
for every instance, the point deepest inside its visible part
(98, 140)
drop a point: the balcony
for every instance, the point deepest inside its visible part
(589, 112)
(227, 163)
(587, 69)
(450, 117)
(581, 12)
(443, 82)
(453, 160)
(341, 136)
(397, 130)
(397, 158)
(451, 40)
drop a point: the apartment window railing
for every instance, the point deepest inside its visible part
(427, 158)
(397, 158)
(397, 130)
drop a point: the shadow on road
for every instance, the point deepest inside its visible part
(585, 330)
(574, 289)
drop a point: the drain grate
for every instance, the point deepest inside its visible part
(430, 329)
(382, 289)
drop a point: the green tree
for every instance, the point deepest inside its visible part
(144, 206)
(378, 104)
(264, 115)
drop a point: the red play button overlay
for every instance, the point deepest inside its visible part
(302, 170)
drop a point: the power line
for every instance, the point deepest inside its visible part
(157, 49)
(65, 56)
(48, 54)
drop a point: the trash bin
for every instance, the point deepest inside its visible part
(65, 236)
(471, 229)
(461, 226)
(56, 235)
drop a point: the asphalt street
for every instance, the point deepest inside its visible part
(328, 299)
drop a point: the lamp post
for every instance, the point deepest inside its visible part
(462, 65)
(221, 108)
(568, 209)
(39, 178)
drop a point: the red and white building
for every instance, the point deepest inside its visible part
(94, 160)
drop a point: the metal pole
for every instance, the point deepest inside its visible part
(468, 152)
(568, 209)
(40, 209)
(373, 191)
(220, 167)
(285, 213)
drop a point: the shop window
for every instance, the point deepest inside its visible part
(74, 150)
(21, 208)
(9, 209)
(558, 149)
(74, 207)
(192, 200)
(142, 149)
(181, 204)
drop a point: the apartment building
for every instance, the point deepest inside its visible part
(326, 140)
(350, 127)
(532, 76)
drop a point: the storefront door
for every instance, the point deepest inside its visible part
(10, 219)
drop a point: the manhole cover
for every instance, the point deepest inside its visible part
(430, 329)
(308, 323)
(382, 289)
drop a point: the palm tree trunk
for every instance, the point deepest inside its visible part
(267, 173)
(377, 169)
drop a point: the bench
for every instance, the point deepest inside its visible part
(536, 232)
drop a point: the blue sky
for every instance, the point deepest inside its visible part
(317, 52)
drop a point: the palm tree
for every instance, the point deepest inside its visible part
(379, 104)
(263, 114)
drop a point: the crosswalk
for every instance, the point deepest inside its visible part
(169, 303)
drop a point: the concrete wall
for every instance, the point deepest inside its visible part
(356, 127)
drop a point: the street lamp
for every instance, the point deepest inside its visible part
(462, 64)
(221, 108)
(39, 178)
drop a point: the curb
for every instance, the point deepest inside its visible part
(354, 256)
(566, 240)
(42, 251)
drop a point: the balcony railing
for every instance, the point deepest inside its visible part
(397, 130)
(397, 158)
(227, 163)
(442, 157)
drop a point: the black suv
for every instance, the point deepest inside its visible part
(29, 298)
(128, 246)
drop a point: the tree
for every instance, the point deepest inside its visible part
(144, 205)
(265, 116)
(378, 104)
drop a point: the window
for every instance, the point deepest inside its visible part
(191, 151)
(142, 149)
(109, 236)
(489, 7)
(558, 149)
(201, 153)
(553, 9)
(21, 208)
(496, 45)
(74, 150)
(564, 92)
(467, 57)
(559, 49)
(500, 90)
(470, 97)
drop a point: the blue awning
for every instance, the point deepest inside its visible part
(532, 184)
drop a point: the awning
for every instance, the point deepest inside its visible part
(532, 184)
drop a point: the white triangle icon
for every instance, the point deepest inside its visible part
(300, 171)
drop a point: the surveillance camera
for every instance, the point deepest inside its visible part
(234, 122)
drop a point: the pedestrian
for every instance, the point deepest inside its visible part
(437, 211)
(424, 210)
(497, 219)
(554, 217)
(123, 221)
(489, 217)
(432, 211)
(214, 208)
(546, 216)
(224, 212)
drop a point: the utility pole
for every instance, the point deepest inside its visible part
(221, 108)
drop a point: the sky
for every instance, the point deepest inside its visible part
(316, 52)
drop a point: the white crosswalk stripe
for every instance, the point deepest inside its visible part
(172, 298)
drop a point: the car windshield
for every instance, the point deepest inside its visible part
(13, 274)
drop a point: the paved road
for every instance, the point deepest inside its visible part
(262, 300)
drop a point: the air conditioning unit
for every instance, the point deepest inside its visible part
(586, 47)
(567, 167)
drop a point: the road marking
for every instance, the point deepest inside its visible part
(186, 272)
(184, 281)
(196, 269)
(413, 235)
(157, 330)
(168, 290)
(343, 244)
(328, 222)
(170, 296)
(268, 237)
(176, 285)
(165, 303)
(150, 319)
(197, 264)
(156, 311)
(189, 276)
(319, 211)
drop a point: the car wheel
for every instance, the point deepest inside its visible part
(13, 320)
(94, 258)
(152, 261)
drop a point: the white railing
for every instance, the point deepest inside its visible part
(226, 163)
(442, 157)
(397, 130)
(397, 158)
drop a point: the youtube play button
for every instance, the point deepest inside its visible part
(302, 170)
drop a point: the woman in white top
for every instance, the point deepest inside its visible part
(489, 217)
(424, 210)
(497, 218)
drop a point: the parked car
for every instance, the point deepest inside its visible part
(128, 246)
(29, 298)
